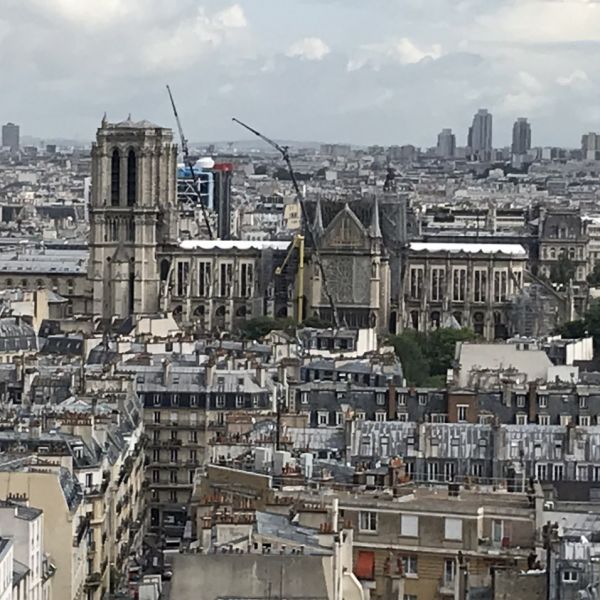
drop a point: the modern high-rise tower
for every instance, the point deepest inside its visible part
(132, 216)
(446, 144)
(480, 135)
(10, 137)
(521, 137)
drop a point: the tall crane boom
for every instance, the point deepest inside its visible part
(190, 165)
(285, 154)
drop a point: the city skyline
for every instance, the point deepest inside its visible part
(319, 74)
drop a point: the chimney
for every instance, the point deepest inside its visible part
(532, 401)
(391, 400)
(260, 375)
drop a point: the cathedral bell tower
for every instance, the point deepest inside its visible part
(132, 216)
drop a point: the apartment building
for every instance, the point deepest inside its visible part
(46, 485)
(430, 536)
(24, 525)
(186, 406)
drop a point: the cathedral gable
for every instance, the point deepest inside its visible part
(345, 232)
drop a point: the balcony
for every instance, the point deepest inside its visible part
(447, 587)
(93, 581)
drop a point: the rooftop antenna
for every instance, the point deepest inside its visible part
(285, 154)
(190, 165)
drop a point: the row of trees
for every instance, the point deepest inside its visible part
(426, 357)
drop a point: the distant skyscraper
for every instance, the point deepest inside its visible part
(446, 144)
(521, 137)
(590, 146)
(10, 136)
(480, 135)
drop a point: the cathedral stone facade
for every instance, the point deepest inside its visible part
(132, 216)
(137, 264)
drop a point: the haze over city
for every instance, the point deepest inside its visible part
(382, 71)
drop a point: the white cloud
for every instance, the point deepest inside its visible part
(309, 48)
(577, 76)
(402, 50)
(87, 13)
(232, 17)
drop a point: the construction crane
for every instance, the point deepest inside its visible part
(297, 243)
(284, 151)
(190, 165)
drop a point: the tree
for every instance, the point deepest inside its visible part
(441, 346)
(426, 358)
(594, 277)
(255, 329)
(408, 348)
(563, 270)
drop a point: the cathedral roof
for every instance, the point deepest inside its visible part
(129, 123)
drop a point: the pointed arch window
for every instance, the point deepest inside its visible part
(131, 178)
(115, 177)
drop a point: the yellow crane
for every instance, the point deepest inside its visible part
(298, 243)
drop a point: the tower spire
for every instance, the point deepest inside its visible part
(375, 228)
(318, 228)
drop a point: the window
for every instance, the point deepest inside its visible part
(520, 401)
(380, 416)
(583, 401)
(449, 571)
(225, 280)
(220, 400)
(459, 283)
(88, 480)
(115, 178)
(367, 521)
(543, 401)
(423, 399)
(409, 525)
(543, 419)
(339, 418)
(453, 528)
(521, 419)
(380, 399)
(239, 401)
(183, 275)
(541, 472)
(174, 417)
(402, 417)
(565, 420)
(247, 280)
(416, 282)
(157, 416)
(402, 399)
(360, 415)
(582, 472)
(193, 400)
(500, 285)
(156, 399)
(497, 531)
(461, 411)
(557, 472)
(155, 476)
(409, 564)
(570, 576)
(480, 290)
(204, 279)
(175, 400)
(131, 178)
(322, 418)
(437, 284)
(584, 421)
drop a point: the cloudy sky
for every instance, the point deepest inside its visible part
(359, 71)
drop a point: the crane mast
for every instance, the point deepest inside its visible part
(190, 165)
(284, 151)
